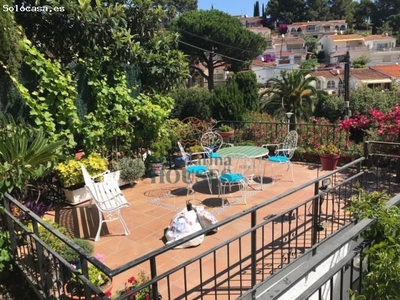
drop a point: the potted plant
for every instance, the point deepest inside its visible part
(75, 289)
(195, 151)
(329, 155)
(70, 175)
(126, 170)
(132, 283)
(71, 255)
(156, 163)
(225, 131)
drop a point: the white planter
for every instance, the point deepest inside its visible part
(77, 196)
(116, 176)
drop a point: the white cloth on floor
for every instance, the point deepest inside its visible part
(187, 222)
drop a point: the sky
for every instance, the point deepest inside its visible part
(232, 7)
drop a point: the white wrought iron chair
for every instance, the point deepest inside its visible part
(284, 152)
(239, 169)
(212, 141)
(194, 170)
(108, 198)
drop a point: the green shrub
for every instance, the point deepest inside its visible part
(131, 168)
(71, 255)
(192, 102)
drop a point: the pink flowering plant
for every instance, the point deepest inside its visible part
(132, 283)
(385, 126)
(97, 277)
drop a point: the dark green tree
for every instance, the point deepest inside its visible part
(317, 10)
(212, 39)
(286, 11)
(256, 12)
(329, 107)
(179, 5)
(362, 13)
(247, 84)
(227, 103)
(363, 98)
(383, 10)
(192, 102)
(342, 10)
(263, 11)
(293, 92)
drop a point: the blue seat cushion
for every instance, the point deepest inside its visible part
(197, 169)
(278, 159)
(232, 177)
(214, 155)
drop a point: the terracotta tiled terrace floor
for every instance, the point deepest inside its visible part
(154, 203)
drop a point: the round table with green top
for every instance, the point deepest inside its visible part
(249, 151)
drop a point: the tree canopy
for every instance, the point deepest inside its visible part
(293, 92)
(212, 39)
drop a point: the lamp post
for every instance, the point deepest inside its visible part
(280, 54)
(288, 116)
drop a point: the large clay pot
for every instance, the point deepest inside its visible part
(156, 168)
(106, 289)
(329, 161)
(226, 134)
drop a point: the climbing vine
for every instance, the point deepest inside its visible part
(51, 104)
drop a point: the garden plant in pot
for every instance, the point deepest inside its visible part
(225, 131)
(329, 155)
(70, 175)
(74, 288)
(195, 151)
(126, 170)
(156, 163)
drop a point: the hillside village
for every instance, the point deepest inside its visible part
(288, 51)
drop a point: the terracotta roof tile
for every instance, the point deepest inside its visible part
(345, 37)
(389, 70)
(337, 73)
(367, 74)
(377, 37)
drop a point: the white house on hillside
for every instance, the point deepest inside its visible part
(380, 49)
(316, 29)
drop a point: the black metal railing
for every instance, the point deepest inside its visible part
(310, 134)
(276, 241)
(330, 270)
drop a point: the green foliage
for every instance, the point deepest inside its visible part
(361, 62)
(71, 255)
(311, 43)
(247, 84)
(227, 103)
(200, 28)
(5, 250)
(293, 92)
(224, 128)
(10, 37)
(364, 98)
(309, 64)
(329, 107)
(191, 102)
(51, 104)
(321, 57)
(70, 172)
(131, 168)
(49, 238)
(380, 280)
(25, 154)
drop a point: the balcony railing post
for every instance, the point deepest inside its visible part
(253, 249)
(315, 214)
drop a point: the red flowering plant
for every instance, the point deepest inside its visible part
(132, 283)
(378, 126)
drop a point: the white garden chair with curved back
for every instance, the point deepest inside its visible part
(212, 141)
(108, 198)
(238, 171)
(198, 171)
(284, 152)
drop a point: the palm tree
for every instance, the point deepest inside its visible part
(293, 92)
